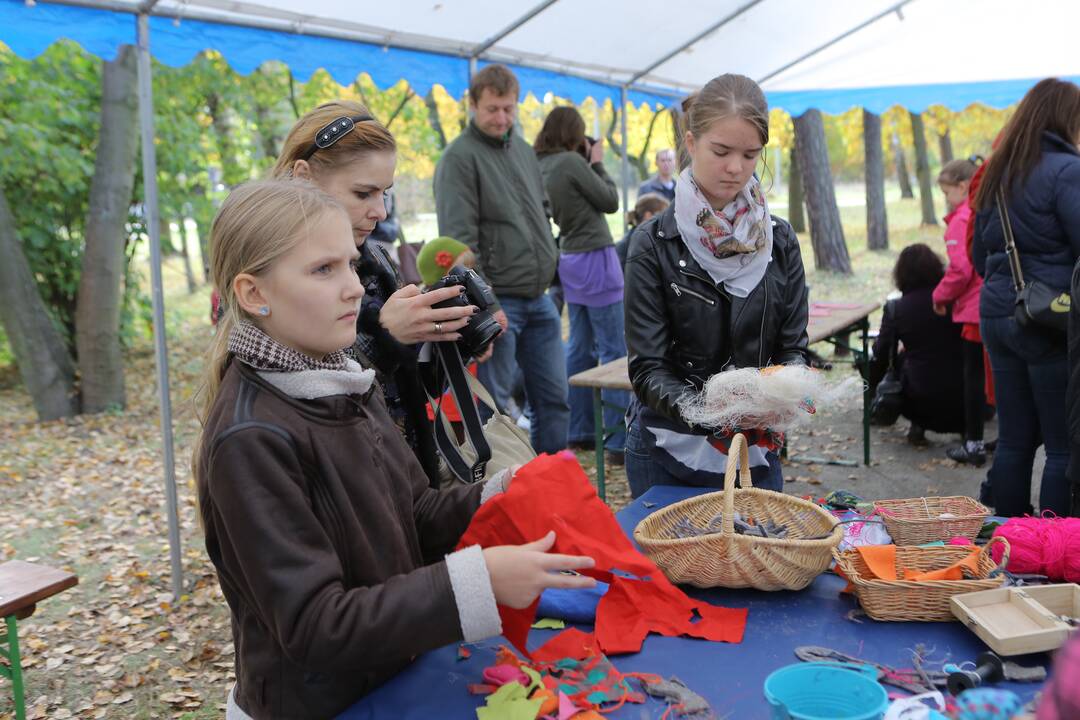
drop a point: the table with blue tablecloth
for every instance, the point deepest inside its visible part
(729, 676)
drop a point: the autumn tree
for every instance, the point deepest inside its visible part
(826, 231)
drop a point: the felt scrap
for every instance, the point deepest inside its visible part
(510, 702)
(572, 604)
(463, 653)
(553, 493)
(549, 624)
(499, 675)
(675, 692)
(572, 643)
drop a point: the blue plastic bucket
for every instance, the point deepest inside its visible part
(826, 691)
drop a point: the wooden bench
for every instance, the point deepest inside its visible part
(22, 586)
(830, 322)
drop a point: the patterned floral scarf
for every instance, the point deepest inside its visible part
(734, 245)
(255, 348)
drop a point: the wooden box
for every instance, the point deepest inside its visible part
(1016, 621)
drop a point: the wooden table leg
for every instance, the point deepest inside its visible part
(598, 424)
(864, 371)
(14, 672)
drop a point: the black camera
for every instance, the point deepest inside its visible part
(482, 327)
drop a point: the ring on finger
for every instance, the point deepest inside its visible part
(438, 328)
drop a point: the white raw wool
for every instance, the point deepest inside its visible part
(778, 398)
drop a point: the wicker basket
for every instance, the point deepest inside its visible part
(917, 521)
(726, 559)
(926, 601)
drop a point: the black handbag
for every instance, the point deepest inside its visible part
(1038, 305)
(889, 395)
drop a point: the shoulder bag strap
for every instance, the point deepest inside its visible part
(448, 360)
(1010, 241)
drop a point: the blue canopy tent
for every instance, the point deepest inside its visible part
(829, 54)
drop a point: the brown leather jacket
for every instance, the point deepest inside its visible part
(322, 525)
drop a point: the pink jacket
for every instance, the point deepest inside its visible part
(961, 285)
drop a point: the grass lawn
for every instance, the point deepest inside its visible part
(87, 495)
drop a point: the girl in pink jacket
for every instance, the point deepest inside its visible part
(960, 288)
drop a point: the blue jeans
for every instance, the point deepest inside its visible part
(642, 472)
(1030, 377)
(533, 342)
(596, 335)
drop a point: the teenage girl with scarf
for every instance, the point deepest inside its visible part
(332, 550)
(712, 283)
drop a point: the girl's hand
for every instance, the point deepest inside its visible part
(519, 573)
(940, 309)
(409, 317)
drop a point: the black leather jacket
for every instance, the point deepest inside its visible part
(681, 328)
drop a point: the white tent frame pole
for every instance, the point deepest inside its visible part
(846, 34)
(694, 40)
(153, 228)
(625, 158)
(490, 42)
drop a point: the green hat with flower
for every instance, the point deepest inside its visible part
(437, 257)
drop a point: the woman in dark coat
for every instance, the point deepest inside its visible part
(1037, 167)
(930, 366)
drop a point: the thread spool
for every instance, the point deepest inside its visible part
(988, 669)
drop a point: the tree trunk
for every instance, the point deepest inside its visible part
(230, 171)
(945, 146)
(97, 315)
(185, 253)
(922, 169)
(40, 352)
(901, 169)
(877, 224)
(796, 215)
(826, 232)
(433, 118)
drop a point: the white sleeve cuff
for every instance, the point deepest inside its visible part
(473, 594)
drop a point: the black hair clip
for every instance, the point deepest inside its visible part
(333, 132)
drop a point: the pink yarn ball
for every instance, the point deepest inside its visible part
(1044, 546)
(960, 540)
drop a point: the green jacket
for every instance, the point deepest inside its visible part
(489, 195)
(580, 195)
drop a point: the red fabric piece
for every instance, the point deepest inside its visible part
(631, 609)
(553, 493)
(570, 643)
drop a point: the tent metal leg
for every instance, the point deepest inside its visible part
(153, 228)
(625, 158)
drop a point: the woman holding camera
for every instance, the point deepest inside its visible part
(356, 167)
(581, 193)
(712, 283)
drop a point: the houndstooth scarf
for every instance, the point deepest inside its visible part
(255, 348)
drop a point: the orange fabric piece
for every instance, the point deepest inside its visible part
(881, 561)
(953, 572)
(553, 493)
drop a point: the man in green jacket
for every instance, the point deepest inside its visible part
(489, 194)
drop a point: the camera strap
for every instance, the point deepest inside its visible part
(447, 368)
